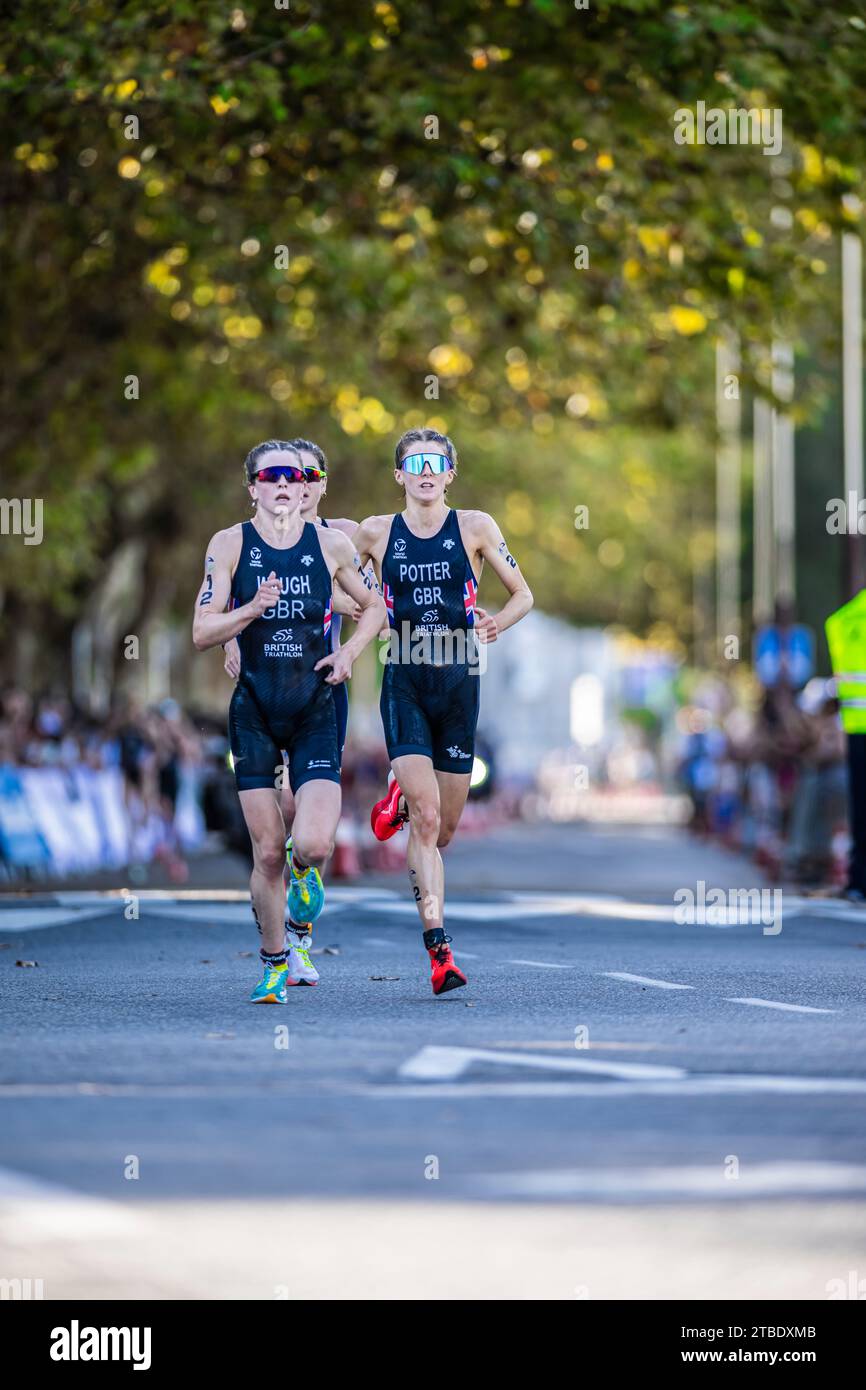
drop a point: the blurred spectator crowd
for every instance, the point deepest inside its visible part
(771, 782)
(153, 758)
(143, 785)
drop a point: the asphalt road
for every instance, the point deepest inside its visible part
(618, 1105)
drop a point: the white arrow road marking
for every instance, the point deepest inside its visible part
(643, 980)
(446, 1063)
(617, 1090)
(764, 1180)
(774, 1004)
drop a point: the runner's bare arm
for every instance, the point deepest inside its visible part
(370, 540)
(342, 602)
(361, 588)
(491, 546)
(212, 625)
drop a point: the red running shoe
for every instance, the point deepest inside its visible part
(390, 814)
(445, 974)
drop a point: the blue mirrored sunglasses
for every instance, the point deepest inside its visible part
(414, 463)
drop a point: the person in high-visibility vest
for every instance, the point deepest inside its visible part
(846, 638)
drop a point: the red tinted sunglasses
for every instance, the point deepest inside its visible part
(287, 471)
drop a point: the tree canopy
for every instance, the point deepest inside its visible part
(342, 220)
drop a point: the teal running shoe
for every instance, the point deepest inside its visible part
(306, 896)
(271, 989)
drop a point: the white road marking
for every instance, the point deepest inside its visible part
(37, 918)
(467, 912)
(378, 941)
(643, 980)
(513, 904)
(591, 905)
(759, 1180)
(167, 896)
(542, 964)
(32, 1209)
(446, 1063)
(89, 1090)
(695, 1086)
(553, 905)
(774, 1004)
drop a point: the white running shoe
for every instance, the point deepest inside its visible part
(301, 969)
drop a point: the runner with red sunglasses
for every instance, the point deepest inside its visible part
(428, 560)
(269, 582)
(301, 970)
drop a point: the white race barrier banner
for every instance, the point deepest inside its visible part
(68, 820)
(21, 843)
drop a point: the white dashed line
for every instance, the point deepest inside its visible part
(774, 1004)
(541, 964)
(643, 980)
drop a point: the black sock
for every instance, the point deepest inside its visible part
(273, 957)
(435, 936)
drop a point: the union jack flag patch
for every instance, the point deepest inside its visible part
(388, 596)
(470, 593)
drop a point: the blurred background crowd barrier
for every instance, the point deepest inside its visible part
(612, 731)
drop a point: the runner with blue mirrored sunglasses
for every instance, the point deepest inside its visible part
(428, 560)
(416, 463)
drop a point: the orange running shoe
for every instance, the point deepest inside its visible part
(445, 974)
(390, 814)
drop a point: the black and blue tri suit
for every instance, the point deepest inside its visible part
(341, 694)
(430, 706)
(280, 700)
